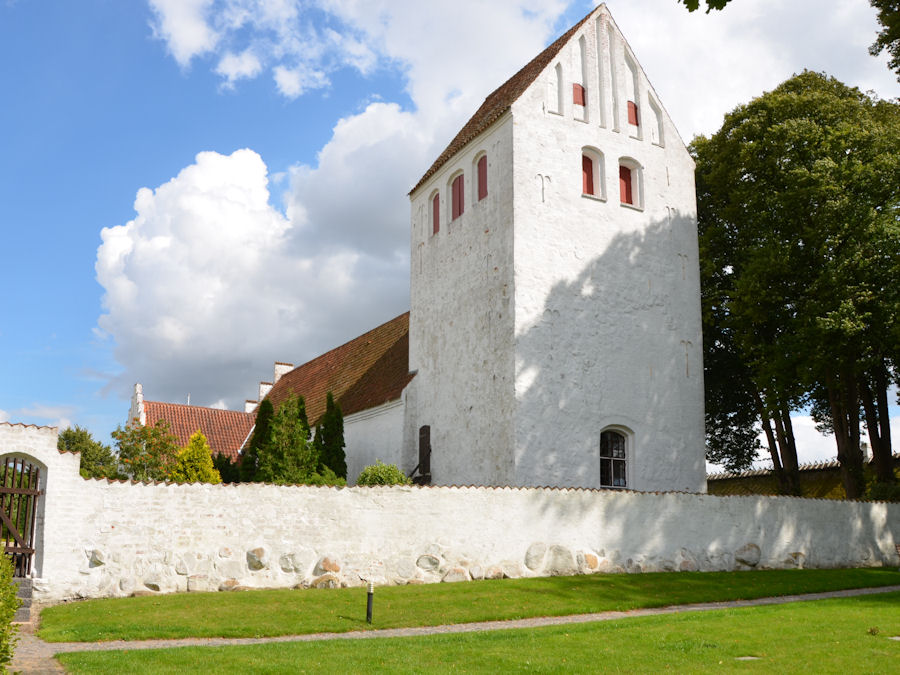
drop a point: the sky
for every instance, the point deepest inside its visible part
(191, 190)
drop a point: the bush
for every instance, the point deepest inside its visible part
(382, 474)
(9, 603)
(884, 492)
(195, 462)
(325, 477)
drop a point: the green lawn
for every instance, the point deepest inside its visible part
(294, 612)
(848, 635)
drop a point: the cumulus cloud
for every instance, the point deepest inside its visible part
(59, 416)
(293, 82)
(234, 67)
(204, 289)
(4, 416)
(183, 25)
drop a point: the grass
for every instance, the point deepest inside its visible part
(828, 636)
(294, 612)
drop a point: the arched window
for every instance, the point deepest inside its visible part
(435, 213)
(613, 458)
(592, 178)
(457, 197)
(630, 183)
(482, 177)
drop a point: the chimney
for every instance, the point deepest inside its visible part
(264, 388)
(281, 368)
(137, 406)
(250, 406)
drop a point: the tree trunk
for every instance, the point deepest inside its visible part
(783, 486)
(878, 424)
(788, 451)
(844, 405)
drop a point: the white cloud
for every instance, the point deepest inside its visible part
(205, 287)
(293, 82)
(50, 415)
(4, 416)
(234, 67)
(184, 27)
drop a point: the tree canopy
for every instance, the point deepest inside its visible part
(329, 440)
(97, 459)
(888, 38)
(195, 462)
(289, 456)
(798, 202)
(147, 452)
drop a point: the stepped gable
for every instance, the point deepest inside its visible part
(500, 100)
(225, 430)
(366, 372)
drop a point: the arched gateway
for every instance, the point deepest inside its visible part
(20, 492)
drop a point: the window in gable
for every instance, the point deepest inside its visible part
(630, 190)
(435, 213)
(613, 459)
(592, 183)
(457, 199)
(577, 94)
(482, 177)
(633, 113)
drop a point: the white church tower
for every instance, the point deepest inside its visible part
(555, 303)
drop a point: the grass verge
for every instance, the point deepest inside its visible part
(293, 612)
(827, 636)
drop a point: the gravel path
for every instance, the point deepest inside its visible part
(33, 655)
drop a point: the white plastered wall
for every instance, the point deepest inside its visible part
(607, 298)
(461, 323)
(372, 435)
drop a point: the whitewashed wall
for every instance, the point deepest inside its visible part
(607, 296)
(374, 434)
(110, 539)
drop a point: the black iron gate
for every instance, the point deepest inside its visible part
(19, 494)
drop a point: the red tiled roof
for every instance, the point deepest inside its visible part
(500, 100)
(224, 429)
(366, 372)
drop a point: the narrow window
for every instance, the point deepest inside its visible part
(577, 94)
(457, 202)
(482, 177)
(425, 450)
(612, 459)
(587, 175)
(633, 113)
(626, 194)
(436, 214)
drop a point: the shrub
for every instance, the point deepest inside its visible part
(382, 474)
(9, 603)
(884, 492)
(195, 462)
(325, 476)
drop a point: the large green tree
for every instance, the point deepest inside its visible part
(195, 462)
(799, 198)
(888, 38)
(329, 440)
(97, 459)
(289, 456)
(147, 452)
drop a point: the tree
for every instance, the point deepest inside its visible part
(798, 202)
(888, 39)
(97, 459)
(694, 5)
(229, 471)
(329, 440)
(262, 432)
(195, 462)
(148, 452)
(289, 457)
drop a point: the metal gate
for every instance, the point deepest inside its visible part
(19, 493)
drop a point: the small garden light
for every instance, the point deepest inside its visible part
(369, 598)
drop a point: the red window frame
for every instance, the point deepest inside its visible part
(587, 175)
(577, 94)
(625, 190)
(436, 214)
(482, 178)
(458, 204)
(633, 113)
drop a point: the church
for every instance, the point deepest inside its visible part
(554, 332)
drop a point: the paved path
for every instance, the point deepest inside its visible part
(33, 655)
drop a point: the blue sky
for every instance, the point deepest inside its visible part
(193, 189)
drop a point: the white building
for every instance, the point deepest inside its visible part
(554, 332)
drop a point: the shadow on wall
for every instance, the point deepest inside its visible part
(616, 346)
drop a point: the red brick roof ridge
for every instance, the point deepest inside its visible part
(501, 99)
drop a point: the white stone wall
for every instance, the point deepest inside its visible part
(607, 297)
(373, 434)
(98, 538)
(461, 321)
